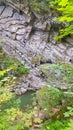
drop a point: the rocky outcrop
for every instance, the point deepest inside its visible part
(30, 39)
(31, 82)
(32, 44)
(57, 75)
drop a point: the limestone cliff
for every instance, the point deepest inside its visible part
(30, 37)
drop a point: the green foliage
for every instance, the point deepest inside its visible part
(21, 70)
(69, 112)
(11, 115)
(18, 69)
(8, 62)
(39, 6)
(70, 125)
(49, 98)
(57, 125)
(65, 69)
(66, 9)
(2, 40)
(58, 75)
(7, 100)
(0, 48)
(65, 32)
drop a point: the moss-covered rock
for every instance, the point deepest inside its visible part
(58, 75)
(35, 60)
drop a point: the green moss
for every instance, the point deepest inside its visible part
(40, 6)
(21, 70)
(58, 74)
(66, 70)
(0, 48)
(17, 69)
(8, 61)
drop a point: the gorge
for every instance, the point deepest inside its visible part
(36, 71)
(30, 38)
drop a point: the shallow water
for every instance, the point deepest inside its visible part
(26, 99)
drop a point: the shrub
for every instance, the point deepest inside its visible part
(65, 8)
(49, 98)
(56, 125)
(21, 70)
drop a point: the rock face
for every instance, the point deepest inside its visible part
(32, 44)
(31, 82)
(31, 40)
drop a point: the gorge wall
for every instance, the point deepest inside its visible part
(29, 37)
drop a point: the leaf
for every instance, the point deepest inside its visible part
(37, 120)
(63, 2)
